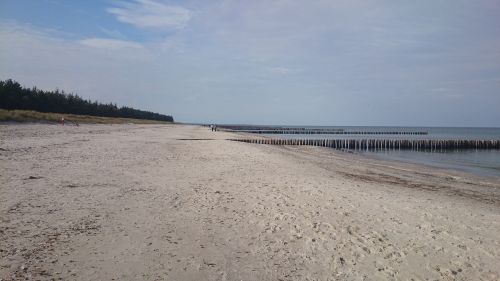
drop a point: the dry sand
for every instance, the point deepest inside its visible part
(156, 202)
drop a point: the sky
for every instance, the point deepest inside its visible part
(284, 62)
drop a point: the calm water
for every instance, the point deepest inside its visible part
(483, 162)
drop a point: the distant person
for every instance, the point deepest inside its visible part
(62, 121)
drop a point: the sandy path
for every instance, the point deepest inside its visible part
(133, 202)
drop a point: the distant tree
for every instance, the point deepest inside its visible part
(14, 96)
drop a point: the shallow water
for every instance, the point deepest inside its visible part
(482, 162)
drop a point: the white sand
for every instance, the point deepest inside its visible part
(130, 202)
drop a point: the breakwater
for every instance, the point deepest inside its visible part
(311, 131)
(323, 132)
(381, 144)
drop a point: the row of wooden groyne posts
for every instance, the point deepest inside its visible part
(380, 144)
(310, 131)
(324, 132)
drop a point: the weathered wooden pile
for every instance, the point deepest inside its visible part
(381, 144)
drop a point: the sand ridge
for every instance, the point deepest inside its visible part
(175, 202)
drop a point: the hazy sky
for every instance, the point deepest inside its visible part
(318, 62)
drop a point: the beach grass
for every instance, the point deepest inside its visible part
(35, 116)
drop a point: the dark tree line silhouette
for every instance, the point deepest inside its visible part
(14, 96)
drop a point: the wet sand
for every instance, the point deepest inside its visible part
(174, 202)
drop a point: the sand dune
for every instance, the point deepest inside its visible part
(172, 202)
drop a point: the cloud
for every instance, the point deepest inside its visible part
(349, 62)
(148, 13)
(111, 44)
(93, 67)
(112, 33)
(440, 90)
(279, 70)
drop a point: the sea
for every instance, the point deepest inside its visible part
(480, 162)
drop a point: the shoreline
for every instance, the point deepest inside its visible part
(478, 170)
(180, 202)
(429, 165)
(374, 159)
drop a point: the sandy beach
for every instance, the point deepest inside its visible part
(178, 202)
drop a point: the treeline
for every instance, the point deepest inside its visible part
(14, 96)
